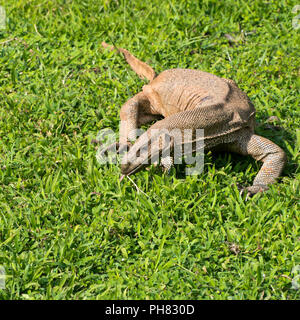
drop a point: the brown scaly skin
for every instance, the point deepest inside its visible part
(191, 99)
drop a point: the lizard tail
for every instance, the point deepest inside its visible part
(141, 68)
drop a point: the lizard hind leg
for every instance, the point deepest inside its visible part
(261, 149)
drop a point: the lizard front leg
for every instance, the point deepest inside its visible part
(261, 149)
(135, 112)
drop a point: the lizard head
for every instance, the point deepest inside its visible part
(146, 150)
(135, 160)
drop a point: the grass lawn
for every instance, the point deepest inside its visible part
(69, 229)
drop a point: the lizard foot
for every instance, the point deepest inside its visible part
(108, 154)
(115, 147)
(251, 191)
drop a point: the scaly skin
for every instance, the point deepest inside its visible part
(193, 99)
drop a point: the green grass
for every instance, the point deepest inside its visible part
(68, 228)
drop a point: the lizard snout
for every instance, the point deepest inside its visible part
(130, 168)
(125, 168)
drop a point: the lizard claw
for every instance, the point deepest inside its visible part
(115, 147)
(251, 191)
(112, 147)
(110, 152)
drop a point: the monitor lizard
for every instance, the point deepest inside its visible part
(193, 99)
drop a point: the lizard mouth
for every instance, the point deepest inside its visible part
(128, 173)
(127, 169)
